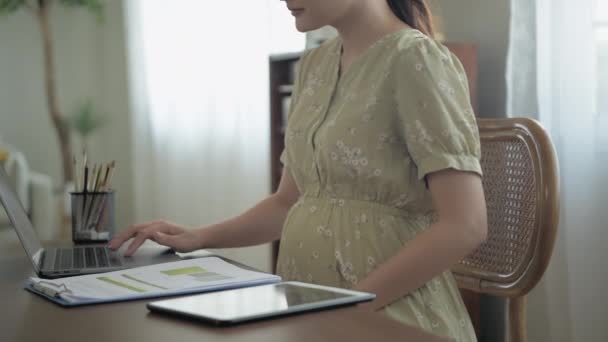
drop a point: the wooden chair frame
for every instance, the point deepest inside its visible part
(484, 270)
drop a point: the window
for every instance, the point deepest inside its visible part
(601, 39)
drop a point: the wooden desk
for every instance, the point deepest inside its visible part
(28, 317)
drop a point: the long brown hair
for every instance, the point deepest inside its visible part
(415, 13)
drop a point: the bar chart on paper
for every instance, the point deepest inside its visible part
(198, 273)
(165, 279)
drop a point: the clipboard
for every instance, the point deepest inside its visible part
(153, 281)
(55, 296)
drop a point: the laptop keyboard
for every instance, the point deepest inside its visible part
(85, 257)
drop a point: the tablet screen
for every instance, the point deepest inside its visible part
(259, 301)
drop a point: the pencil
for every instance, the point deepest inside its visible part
(105, 178)
(112, 166)
(99, 212)
(75, 171)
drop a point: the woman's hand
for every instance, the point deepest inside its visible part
(163, 232)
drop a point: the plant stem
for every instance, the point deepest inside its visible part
(61, 128)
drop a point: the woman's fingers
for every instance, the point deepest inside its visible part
(141, 232)
(119, 239)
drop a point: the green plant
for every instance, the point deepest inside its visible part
(84, 121)
(41, 9)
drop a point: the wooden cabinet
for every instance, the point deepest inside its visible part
(282, 75)
(281, 80)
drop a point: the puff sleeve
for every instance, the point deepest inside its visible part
(435, 115)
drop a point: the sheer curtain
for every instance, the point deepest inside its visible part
(553, 76)
(199, 88)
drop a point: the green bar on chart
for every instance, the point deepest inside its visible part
(121, 284)
(184, 271)
(143, 282)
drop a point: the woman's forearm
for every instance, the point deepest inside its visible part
(430, 253)
(261, 224)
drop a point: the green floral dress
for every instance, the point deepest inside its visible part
(358, 146)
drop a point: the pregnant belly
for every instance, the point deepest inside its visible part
(339, 243)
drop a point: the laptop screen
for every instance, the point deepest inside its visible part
(20, 221)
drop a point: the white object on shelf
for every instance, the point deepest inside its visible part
(35, 192)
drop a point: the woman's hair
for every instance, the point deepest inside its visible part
(415, 13)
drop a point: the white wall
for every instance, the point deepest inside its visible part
(90, 62)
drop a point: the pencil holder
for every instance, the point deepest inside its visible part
(92, 216)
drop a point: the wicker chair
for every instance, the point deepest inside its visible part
(521, 184)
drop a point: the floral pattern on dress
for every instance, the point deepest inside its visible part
(358, 146)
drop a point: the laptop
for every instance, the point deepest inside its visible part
(56, 262)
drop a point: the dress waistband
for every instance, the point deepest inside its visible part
(363, 204)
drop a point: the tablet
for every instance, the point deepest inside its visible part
(259, 302)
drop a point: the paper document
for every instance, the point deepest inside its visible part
(186, 276)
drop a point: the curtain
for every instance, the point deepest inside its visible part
(554, 60)
(199, 89)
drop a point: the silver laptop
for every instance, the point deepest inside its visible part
(55, 262)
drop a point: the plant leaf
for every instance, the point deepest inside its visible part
(94, 6)
(10, 6)
(85, 119)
